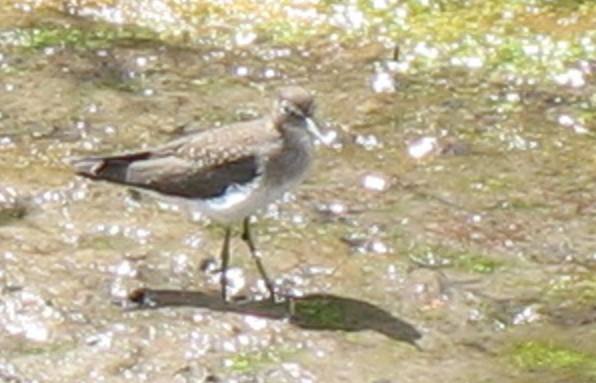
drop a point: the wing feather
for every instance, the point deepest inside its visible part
(201, 165)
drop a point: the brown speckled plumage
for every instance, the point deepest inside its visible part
(227, 173)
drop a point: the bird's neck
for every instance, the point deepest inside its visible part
(290, 164)
(295, 135)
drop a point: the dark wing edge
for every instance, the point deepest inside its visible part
(110, 168)
(169, 175)
(209, 182)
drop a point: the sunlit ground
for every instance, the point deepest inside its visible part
(448, 234)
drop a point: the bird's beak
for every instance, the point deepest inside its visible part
(313, 129)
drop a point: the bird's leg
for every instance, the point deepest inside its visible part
(247, 237)
(225, 260)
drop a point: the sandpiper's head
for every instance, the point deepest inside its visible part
(294, 108)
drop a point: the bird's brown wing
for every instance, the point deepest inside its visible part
(229, 143)
(177, 177)
(201, 165)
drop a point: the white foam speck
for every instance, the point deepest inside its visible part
(141, 61)
(573, 77)
(125, 268)
(256, 323)
(422, 147)
(566, 120)
(382, 82)
(374, 182)
(242, 71)
(244, 38)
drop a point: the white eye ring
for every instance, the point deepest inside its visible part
(289, 109)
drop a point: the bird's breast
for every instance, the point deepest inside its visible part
(289, 166)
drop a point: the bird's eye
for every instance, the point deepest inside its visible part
(289, 109)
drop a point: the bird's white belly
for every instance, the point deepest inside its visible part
(238, 202)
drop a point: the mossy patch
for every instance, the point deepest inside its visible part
(536, 355)
(246, 362)
(27, 348)
(442, 256)
(487, 31)
(475, 263)
(249, 361)
(95, 36)
(578, 290)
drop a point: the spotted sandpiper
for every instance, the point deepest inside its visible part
(226, 173)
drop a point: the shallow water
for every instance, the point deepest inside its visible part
(449, 233)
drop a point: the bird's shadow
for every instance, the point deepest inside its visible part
(312, 312)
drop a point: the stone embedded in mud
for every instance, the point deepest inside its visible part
(422, 147)
(572, 77)
(10, 207)
(375, 182)
(527, 315)
(25, 313)
(368, 141)
(453, 147)
(430, 146)
(425, 288)
(332, 209)
(371, 106)
(383, 82)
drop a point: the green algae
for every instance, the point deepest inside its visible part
(442, 256)
(579, 289)
(537, 355)
(250, 362)
(96, 36)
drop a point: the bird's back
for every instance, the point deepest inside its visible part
(199, 165)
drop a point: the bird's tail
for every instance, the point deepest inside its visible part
(112, 168)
